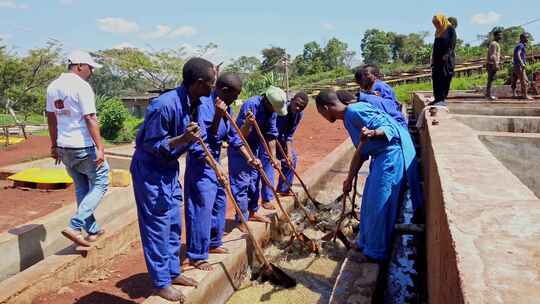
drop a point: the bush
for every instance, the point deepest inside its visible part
(112, 116)
(129, 130)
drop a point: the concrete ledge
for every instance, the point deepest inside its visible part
(517, 124)
(68, 266)
(482, 240)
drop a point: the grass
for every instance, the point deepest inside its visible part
(34, 119)
(404, 91)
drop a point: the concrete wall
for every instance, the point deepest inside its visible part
(482, 228)
(517, 124)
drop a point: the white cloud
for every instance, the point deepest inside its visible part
(123, 45)
(328, 26)
(165, 31)
(117, 25)
(485, 18)
(12, 4)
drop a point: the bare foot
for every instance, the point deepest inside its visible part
(202, 265)
(185, 281)
(172, 294)
(254, 217)
(218, 250)
(268, 206)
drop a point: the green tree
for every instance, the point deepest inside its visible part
(311, 61)
(335, 53)
(244, 65)
(510, 38)
(272, 58)
(376, 46)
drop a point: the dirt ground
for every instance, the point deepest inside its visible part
(124, 278)
(35, 147)
(18, 206)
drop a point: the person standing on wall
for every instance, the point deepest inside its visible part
(518, 72)
(76, 142)
(493, 62)
(442, 59)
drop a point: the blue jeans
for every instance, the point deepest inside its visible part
(91, 183)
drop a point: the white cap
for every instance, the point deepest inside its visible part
(81, 57)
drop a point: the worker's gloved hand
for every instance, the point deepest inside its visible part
(255, 163)
(221, 106)
(192, 132)
(347, 186)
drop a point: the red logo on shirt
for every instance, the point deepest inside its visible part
(59, 104)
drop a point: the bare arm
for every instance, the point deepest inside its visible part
(93, 127)
(354, 167)
(53, 134)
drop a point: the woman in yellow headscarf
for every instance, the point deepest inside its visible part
(443, 58)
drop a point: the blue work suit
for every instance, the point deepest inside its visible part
(393, 159)
(155, 170)
(386, 105)
(205, 198)
(245, 179)
(287, 126)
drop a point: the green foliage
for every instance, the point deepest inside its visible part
(376, 46)
(112, 115)
(510, 38)
(244, 65)
(272, 57)
(320, 78)
(257, 83)
(315, 59)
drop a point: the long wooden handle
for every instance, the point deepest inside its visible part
(222, 179)
(280, 172)
(282, 151)
(263, 174)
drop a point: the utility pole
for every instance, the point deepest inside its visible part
(286, 64)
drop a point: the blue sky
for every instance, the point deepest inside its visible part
(241, 27)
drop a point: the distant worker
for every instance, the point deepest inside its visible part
(370, 86)
(442, 59)
(168, 131)
(493, 62)
(205, 198)
(393, 169)
(77, 143)
(287, 126)
(519, 72)
(244, 177)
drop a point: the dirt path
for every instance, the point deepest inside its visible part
(35, 147)
(124, 279)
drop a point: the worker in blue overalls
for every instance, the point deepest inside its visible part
(367, 78)
(205, 197)
(244, 178)
(393, 168)
(166, 133)
(286, 126)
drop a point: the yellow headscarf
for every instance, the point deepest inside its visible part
(441, 24)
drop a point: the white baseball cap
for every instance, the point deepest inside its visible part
(278, 99)
(81, 57)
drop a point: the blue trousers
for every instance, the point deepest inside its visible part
(158, 195)
(91, 183)
(218, 218)
(266, 193)
(380, 203)
(244, 181)
(285, 185)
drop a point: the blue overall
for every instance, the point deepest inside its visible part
(286, 127)
(386, 105)
(392, 160)
(158, 193)
(205, 198)
(244, 178)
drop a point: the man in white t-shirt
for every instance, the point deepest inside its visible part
(76, 142)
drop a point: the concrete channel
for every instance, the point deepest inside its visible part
(62, 264)
(482, 228)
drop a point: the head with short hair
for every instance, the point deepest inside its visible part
(329, 106)
(228, 87)
(345, 97)
(497, 35)
(453, 21)
(299, 102)
(366, 75)
(199, 77)
(523, 38)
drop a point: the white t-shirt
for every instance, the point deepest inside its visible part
(71, 97)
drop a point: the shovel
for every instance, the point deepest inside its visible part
(310, 244)
(311, 218)
(316, 203)
(269, 271)
(338, 233)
